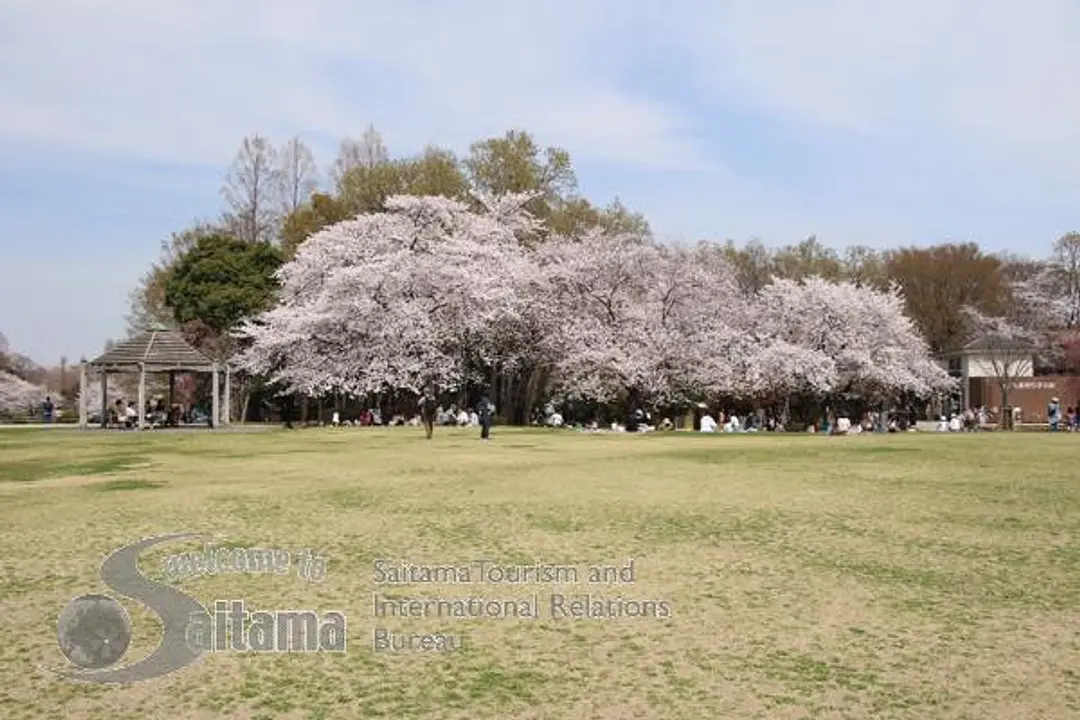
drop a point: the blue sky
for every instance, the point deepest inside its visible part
(869, 122)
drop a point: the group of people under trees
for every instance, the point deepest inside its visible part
(125, 415)
(430, 413)
(429, 409)
(157, 414)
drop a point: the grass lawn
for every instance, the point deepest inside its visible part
(912, 576)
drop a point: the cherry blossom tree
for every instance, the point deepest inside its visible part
(636, 318)
(839, 337)
(699, 294)
(397, 300)
(431, 295)
(1045, 307)
(18, 395)
(772, 370)
(1045, 301)
(1056, 286)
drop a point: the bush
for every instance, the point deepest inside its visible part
(15, 417)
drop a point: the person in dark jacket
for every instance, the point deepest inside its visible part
(427, 410)
(485, 410)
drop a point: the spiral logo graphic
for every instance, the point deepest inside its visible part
(94, 631)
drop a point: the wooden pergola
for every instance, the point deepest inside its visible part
(157, 350)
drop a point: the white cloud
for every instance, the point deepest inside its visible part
(990, 80)
(182, 81)
(967, 107)
(987, 81)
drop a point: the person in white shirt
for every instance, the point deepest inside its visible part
(335, 420)
(708, 425)
(954, 424)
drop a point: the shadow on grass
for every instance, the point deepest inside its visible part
(42, 469)
(120, 485)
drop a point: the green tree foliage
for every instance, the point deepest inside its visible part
(364, 188)
(576, 215)
(514, 163)
(221, 280)
(434, 172)
(322, 210)
(365, 176)
(865, 266)
(147, 305)
(807, 259)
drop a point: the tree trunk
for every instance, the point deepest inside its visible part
(513, 399)
(427, 412)
(532, 388)
(1005, 423)
(245, 398)
(287, 410)
(505, 405)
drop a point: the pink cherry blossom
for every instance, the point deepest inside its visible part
(433, 290)
(18, 395)
(395, 299)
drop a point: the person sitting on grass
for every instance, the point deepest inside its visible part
(708, 425)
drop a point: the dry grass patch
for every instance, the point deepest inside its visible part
(809, 577)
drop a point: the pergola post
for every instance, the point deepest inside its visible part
(215, 409)
(226, 412)
(83, 402)
(142, 395)
(104, 399)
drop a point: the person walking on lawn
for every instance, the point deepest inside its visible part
(486, 410)
(427, 409)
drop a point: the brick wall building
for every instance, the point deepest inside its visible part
(975, 367)
(1030, 394)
